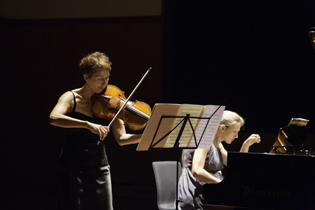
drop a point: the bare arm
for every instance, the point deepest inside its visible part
(252, 139)
(123, 138)
(198, 170)
(58, 118)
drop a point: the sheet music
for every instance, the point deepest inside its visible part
(194, 111)
(158, 111)
(211, 129)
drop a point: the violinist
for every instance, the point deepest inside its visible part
(85, 175)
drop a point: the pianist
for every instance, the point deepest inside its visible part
(202, 166)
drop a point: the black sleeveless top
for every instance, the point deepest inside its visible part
(80, 150)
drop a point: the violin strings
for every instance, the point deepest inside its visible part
(137, 112)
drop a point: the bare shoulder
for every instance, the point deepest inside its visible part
(77, 92)
(64, 104)
(221, 146)
(222, 149)
(66, 97)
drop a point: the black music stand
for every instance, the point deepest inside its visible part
(183, 123)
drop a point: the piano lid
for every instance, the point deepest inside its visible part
(291, 138)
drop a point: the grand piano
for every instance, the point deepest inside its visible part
(284, 178)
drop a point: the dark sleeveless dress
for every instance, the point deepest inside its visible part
(190, 188)
(85, 178)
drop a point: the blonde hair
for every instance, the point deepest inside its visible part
(93, 61)
(229, 118)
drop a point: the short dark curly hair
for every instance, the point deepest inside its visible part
(93, 61)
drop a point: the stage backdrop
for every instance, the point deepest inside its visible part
(253, 56)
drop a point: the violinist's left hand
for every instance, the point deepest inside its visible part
(252, 139)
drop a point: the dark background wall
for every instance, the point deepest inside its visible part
(256, 55)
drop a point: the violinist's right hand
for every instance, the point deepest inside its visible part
(100, 130)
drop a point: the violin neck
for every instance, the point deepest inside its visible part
(135, 111)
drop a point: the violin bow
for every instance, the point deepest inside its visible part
(125, 103)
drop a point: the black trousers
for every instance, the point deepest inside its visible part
(86, 190)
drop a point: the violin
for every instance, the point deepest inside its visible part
(106, 106)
